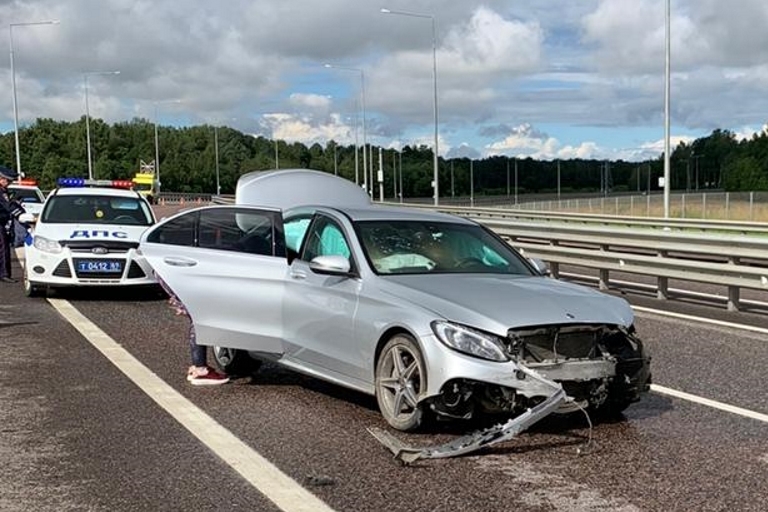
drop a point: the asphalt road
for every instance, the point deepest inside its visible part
(76, 433)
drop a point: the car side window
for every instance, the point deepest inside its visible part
(325, 238)
(178, 231)
(240, 230)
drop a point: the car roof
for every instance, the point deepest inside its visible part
(27, 187)
(96, 191)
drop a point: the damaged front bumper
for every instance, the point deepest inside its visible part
(472, 442)
(600, 369)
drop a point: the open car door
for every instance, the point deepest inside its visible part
(227, 265)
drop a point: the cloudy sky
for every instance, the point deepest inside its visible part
(542, 78)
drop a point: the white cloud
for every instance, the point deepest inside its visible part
(523, 141)
(488, 43)
(594, 63)
(748, 132)
(310, 101)
(307, 130)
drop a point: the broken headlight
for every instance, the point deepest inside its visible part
(470, 341)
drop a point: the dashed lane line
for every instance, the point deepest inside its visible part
(278, 487)
(703, 320)
(694, 398)
(710, 403)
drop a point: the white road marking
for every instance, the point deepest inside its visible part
(283, 491)
(697, 399)
(699, 319)
(278, 487)
(710, 403)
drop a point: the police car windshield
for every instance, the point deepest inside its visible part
(26, 195)
(92, 209)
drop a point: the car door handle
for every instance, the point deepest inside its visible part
(298, 274)
(179, 262)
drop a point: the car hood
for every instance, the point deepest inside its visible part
(496, 303)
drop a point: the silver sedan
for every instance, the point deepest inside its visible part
(432, 314)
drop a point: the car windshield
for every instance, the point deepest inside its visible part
(93, 209)
(424, 247)
(27, 195)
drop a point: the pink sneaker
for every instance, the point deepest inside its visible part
(206, 377)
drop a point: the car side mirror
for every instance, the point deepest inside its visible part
(330, 265)
(540, 265)
(27, 218)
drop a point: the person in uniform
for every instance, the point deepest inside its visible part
(10, 210)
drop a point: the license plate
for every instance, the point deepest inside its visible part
(100, 266)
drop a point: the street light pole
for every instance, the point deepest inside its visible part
(471, 184)
(88, 115)
(400, 162)
(362, 104)
(434, 82)
(515, 181)
(277, 156)
(667, 59)
(357, 162)
(13, 86)
(157, 146)
(216, 151)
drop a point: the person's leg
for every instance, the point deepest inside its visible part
(5, 254)
(200, 374)
(199, 353)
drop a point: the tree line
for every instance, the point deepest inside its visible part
(51, 149)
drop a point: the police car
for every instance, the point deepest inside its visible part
(29, 195)
(88, 235)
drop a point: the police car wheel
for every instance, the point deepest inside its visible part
(234, 362)
(31, 289)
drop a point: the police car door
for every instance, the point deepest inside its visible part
(227, 265)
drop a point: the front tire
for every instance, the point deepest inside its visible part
(31, 289)
(401, 377)
(234, 362)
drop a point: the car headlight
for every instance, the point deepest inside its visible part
(46, 244)
(470, 341)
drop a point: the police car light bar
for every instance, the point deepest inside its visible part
(28, 182)
(82, 182)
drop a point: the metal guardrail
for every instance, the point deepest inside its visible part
(720, 253)
(170, 198)
(723, 253)
(733, 262)
(654, 223)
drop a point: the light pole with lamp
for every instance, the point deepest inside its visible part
(157, 145)
(88, 115)
(434, 81)
(13, 86)
(362, 103)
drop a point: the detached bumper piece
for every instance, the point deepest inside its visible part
(472, 442)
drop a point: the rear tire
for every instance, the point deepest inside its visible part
(234, 362)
